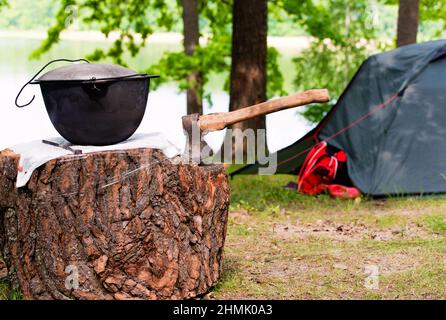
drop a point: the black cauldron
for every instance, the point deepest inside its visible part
(93, 104)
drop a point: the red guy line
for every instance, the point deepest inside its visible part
(351, 125)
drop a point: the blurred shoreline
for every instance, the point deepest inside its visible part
(291, 43)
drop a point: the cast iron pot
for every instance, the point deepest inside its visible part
(93, 104)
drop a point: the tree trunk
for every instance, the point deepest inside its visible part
(408, 19)
(191, 41)
(249, 63)
(114, 225)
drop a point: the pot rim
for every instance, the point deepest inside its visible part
(99, 80)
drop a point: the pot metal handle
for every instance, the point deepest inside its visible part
(36, 75)
(132, 76)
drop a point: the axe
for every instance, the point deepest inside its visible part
(196, 126)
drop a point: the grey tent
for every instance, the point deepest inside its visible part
(391, 122)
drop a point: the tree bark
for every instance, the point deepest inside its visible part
(408, 20)
(191, 42)
(127, 225)
(249, 63)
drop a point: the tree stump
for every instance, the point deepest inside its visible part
(114, 225)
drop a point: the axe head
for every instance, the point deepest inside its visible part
(196, 148)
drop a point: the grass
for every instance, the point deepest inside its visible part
(284, 245)
(7, 292)
(436, 223)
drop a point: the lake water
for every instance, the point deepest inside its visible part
(166, 105)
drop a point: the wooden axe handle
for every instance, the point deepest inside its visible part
(219, 121)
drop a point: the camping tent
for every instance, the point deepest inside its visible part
(391, 122)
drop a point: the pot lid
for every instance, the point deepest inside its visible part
(87, 71)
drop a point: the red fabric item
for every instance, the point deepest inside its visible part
(342, 192)
(319, 169)
(319, 172)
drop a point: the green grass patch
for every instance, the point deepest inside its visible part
(284, 245)
(426, 282)
(259, 193)
(9, 293)
(436, 223)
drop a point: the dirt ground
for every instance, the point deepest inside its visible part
(318, 248)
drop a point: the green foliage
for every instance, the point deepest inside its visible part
(280, 23)
(432, 18)
(345, 33)
(342, 32)
(433, 10)
(275, 84)
(430, 11)
(176, 66)
(25, 14)
(59, 25)
(213, 57)
(126, 18)
(325, 65)
(133, 21)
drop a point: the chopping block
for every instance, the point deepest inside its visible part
(114, 225)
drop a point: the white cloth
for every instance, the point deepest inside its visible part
(36, 153)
